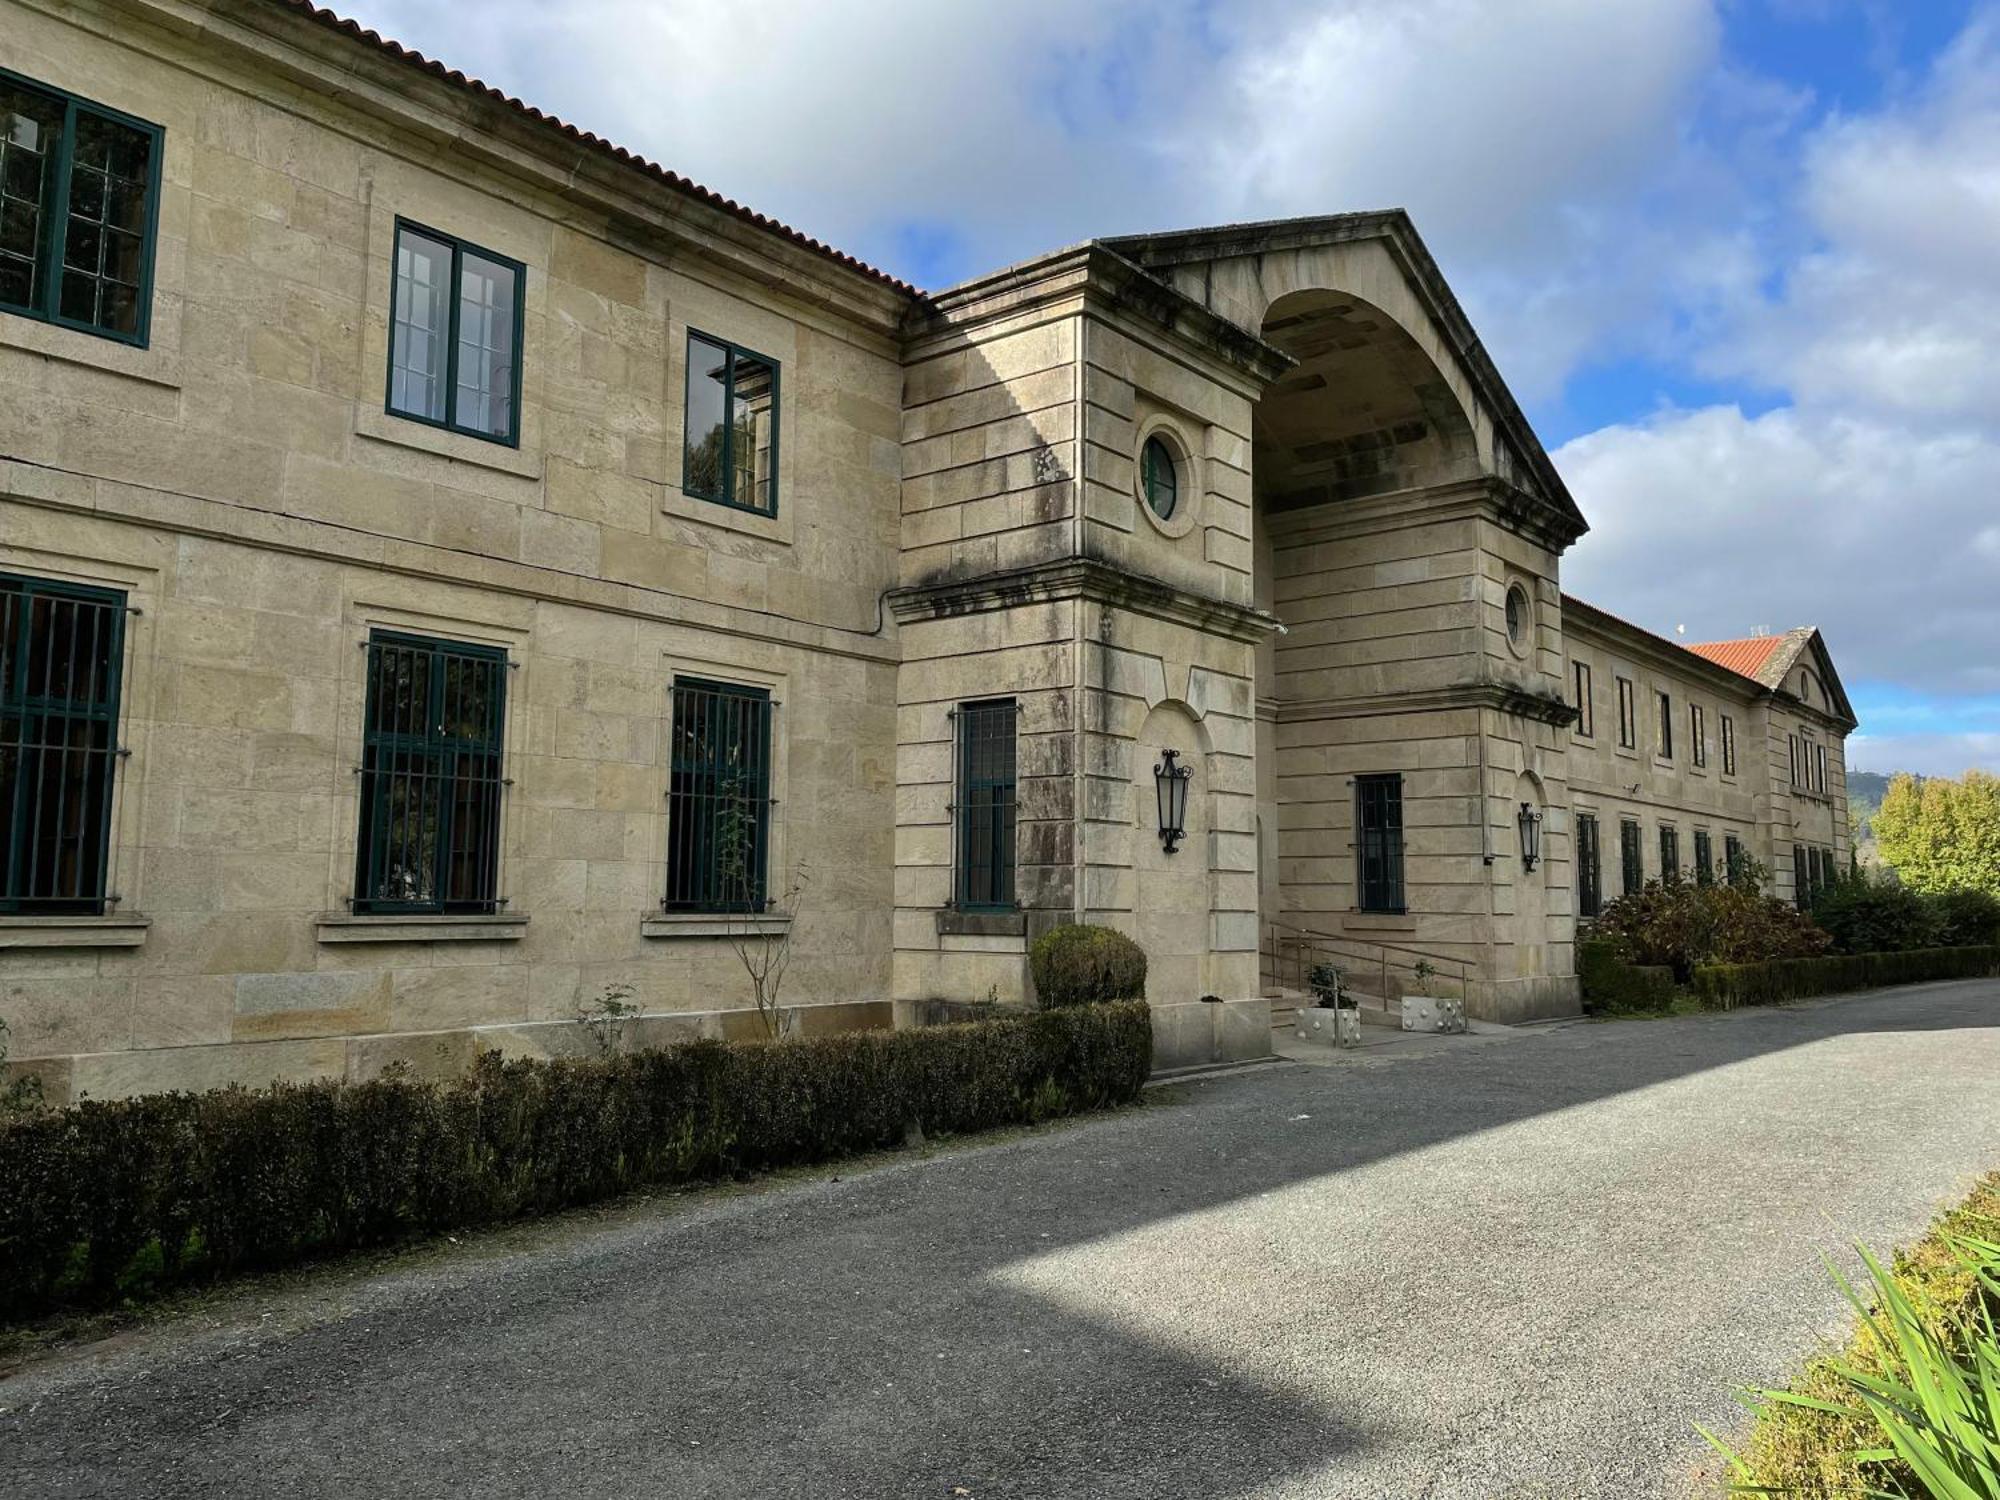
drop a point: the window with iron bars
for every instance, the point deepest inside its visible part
(1378, 822)
(431, 777)
(62, 655)
(1631, 868)
(1704, 859)
(718, 797)
(1670, 856)
(983, 807)
(1589, 868)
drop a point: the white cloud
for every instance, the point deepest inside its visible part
(1926, 754)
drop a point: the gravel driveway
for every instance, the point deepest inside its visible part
(1519, 1267)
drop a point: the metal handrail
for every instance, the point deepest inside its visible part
(1309, 947)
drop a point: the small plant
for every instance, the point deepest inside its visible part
(605, 1017)
(1423, 971)
(1329, 985)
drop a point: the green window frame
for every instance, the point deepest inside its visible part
(455, 321)
(1586, 718)
(1589, 867)
(719, 801)
(1704, 858)
(983, 806)
(1378, 842)
(1631, 862)
(732, 410)
(1670, 855)
(432, 777)
(79, 211)
(62, 668)
(1628, 716)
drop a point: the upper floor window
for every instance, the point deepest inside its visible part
(1589, 867)
(730, 440)
(79, 204)
(431, 776)
(1628, 716)
(1819, 767)
(984, 806)
(1698, 733)
(455, 336)
(1728, 746)
(1666, 725)
(1159, 476)
(1378, 822)
(1792, 744)
(61, 664)
(719, 797)
(1586, 723)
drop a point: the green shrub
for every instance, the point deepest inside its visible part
(117, 1197)
(1610, 984)
(1077, 964)
(1681, 925)
(1965, 918)
(1934, 1308)
(1728, 985)
(1874, 916)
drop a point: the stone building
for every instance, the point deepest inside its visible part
(453, 572)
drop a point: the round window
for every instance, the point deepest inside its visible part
(1517, 613)
(1161, 478)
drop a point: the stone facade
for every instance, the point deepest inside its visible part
(961, 515)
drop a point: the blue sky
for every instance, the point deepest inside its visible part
(1738, 259)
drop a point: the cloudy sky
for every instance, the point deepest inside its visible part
(1739, 259)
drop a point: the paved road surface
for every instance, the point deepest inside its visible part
(1510, 1268)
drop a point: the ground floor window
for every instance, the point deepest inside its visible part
(1670, 856)
(1589, 871)
(719, 797)
(431, 777)
(61, 668)
(1631, 863)
(983, 806)
(1378, 822)
(1704, 858)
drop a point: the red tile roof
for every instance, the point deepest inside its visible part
(1745, 657)
(618, 153)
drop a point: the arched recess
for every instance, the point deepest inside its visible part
(1365, 411)
(1530, 887)
(1173, 895)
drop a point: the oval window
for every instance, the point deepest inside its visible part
(1161, 477)
(1517, 613)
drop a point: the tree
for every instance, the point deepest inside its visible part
(1940, 834)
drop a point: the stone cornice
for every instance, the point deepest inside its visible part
(1484, 498)
(1518, 702)
(1080, 578)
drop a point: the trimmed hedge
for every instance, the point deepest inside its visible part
(1078, 964)
(1609, 984)
(119, 1197)
(1799, 1451)
(1728, 985)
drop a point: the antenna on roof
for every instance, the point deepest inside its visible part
(1758, 632)
(1680, 630)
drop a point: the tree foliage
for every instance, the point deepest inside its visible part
(1941, 834)
(1685, 923)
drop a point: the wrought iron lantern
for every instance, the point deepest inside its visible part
(1530, 823)
(1170, 787)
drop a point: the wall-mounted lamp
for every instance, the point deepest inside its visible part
(1530, 824)
(1170, 787)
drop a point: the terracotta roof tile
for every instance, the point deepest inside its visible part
(1744, 657)
(617, 153)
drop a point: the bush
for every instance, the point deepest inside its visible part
(120, 1197)
(1684, 924)
(1728, 985)
(1077, 964)
(1806, 1438)
(1609, 984)
(1965, 919)
(1874, 916)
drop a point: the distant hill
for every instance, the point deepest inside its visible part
(1864, 799)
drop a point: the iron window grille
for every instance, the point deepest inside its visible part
(1728, 746)
(1698, 733)
(1586, 723)
(1628, 716)
(1666, 717)
(456, 314)
(1801, 878)
(1589, 867)
(983, 809)
(1631, 863)
(1670, 856)
(1704, 859)
(719, 800)
(431, 777)
(1378, 821)
(729, 444)
(62, 656)
(79, 211)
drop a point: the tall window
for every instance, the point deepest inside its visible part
(718, 797)
(1728, 746)
(79, 197)
(1670, 856)
(730, 440)
(1704, 858)
(1378, 822)
(455, 336)
(61, 660)
(983, 812)
(431, 776)
(1735, 867)
(1698, 733)
(1589, 867)
(1793, 745)
(1819, 767)
(1801, 878)
(1628, 716)
(1630, 861)
(1586, 723)
(1666, 725)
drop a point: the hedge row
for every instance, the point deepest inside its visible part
(113, 1198)
(1809, 1453)
(1728, 985)
(1609, 984)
